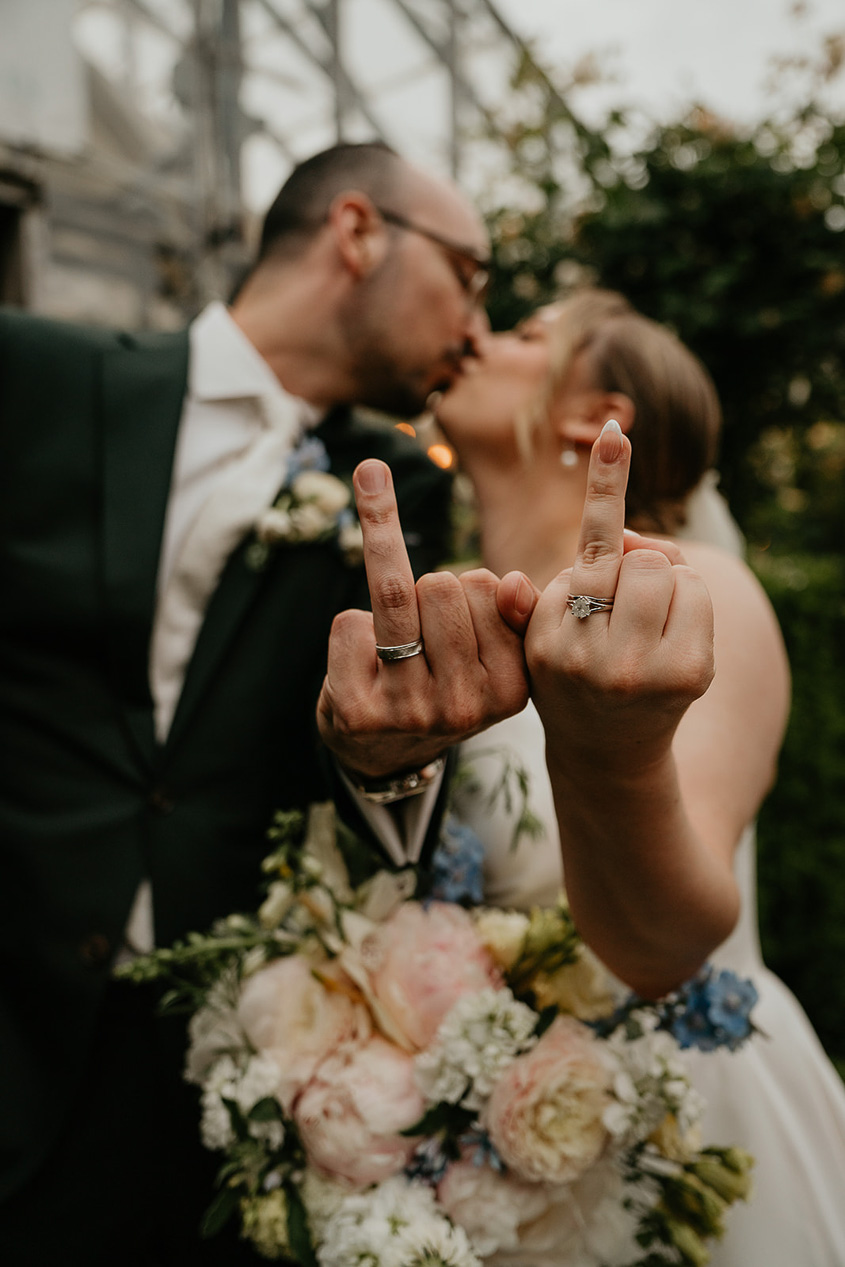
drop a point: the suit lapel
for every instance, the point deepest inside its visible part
(293, 567)
(143, 386)
(228, 605)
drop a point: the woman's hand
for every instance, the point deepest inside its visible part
(651, 892)
(612, 686)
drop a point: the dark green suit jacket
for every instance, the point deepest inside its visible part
(89, 803)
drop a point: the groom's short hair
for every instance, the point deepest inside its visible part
(303, 202)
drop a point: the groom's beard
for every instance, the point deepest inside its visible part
(392, 375)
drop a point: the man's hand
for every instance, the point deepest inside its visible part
(382, 716)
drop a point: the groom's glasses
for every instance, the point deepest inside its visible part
(471, 268)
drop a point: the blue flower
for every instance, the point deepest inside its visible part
(457, 865)
(479, 1147)
(309, 455)
(713, 1010)
(731, 999)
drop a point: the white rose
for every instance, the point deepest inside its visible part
(326, 492)
(585, 1222)
(308, 522)
(274, 525)
(280, 898)
(351, 541)
(489, 1206)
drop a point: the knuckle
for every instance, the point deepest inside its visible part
(598, 550)
(345, 623)
(646, 561)
(464, 717)
(393, 594)
(603, 488)
(479, 579)
(377, 514)
(438, 586)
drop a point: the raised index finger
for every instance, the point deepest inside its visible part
(392, 591)
(596, 568)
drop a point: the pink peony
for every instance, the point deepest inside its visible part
(545, 1113)
(419, 963)
(290, 1015)
(350, 1115)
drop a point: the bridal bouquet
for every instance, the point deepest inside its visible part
(397, 1082)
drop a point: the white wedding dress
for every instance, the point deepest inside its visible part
(779, 1096)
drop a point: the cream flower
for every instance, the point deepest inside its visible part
(545, 1113)
(265, 1223)
(274, 525)
(292, 1017)
(503, 933)
(583, 989)
(329, 494)
(308, 522)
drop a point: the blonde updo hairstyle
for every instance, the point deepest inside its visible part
(677, 417)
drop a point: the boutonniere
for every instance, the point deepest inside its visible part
(313, 506)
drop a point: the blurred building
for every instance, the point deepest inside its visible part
(139, 139)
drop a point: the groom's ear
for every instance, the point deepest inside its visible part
(359, 232)
(598, 407)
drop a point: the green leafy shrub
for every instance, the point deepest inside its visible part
(802, 824)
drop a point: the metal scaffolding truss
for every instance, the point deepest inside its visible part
(251, 86)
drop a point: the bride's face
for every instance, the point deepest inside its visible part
(508, 374)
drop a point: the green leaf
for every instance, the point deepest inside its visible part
(442, 1117)
(266, 1110)
(299, 1233)
(219, 1212)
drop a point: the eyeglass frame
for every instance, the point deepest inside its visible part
(477, 286)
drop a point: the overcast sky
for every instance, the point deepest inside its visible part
(666, 53)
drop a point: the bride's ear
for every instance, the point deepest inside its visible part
(601, 406)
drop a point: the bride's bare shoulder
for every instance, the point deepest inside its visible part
(745, 623)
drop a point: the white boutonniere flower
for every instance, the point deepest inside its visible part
(313, 506)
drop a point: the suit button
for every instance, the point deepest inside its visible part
(95, 950)
(161, 800)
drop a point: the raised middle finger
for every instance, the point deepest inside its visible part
(595, 571)
(396, 618)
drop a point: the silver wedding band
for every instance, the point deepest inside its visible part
(584, 605)
(403, 651)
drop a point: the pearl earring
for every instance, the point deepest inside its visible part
(569, 455)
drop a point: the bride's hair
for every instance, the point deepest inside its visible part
(677, 417)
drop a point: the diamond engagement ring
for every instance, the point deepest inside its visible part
(583, 605)
(403, 651)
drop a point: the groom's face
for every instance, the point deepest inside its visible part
(419, 314)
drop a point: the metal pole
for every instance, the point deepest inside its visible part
(452, 62)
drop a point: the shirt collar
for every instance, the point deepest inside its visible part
(224, 365)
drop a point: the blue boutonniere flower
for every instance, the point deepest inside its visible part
(313, 506)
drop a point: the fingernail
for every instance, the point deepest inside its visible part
(631, 532)
(610, 441)
(371, 477)
(523, 599)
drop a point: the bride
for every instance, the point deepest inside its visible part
(648, 814)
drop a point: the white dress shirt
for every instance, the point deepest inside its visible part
(230, 386)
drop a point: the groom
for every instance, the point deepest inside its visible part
(158, 676)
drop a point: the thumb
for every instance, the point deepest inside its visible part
(516, 599)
